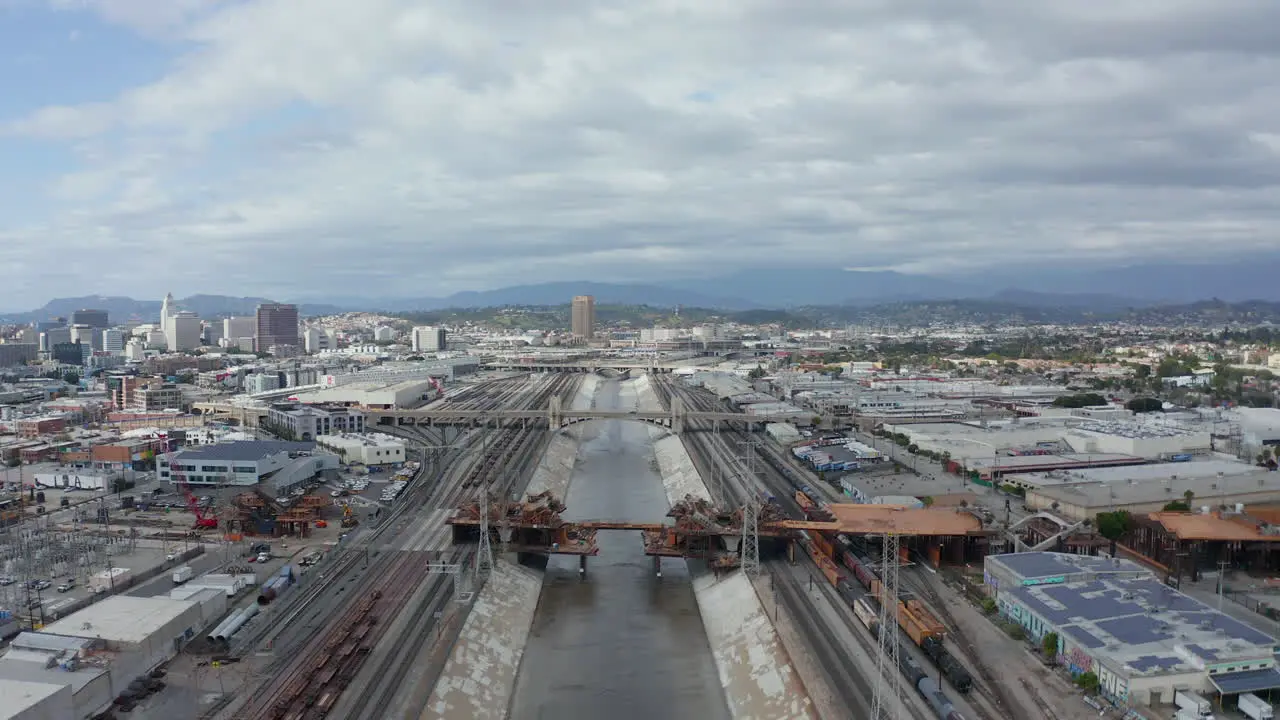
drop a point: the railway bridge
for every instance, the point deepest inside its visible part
(554, 416)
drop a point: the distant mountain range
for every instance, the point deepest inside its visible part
(1087, 289)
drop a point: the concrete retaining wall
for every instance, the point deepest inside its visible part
(646, 398)
(480, 675)
(756, 673)
(586, 397)
(555, 468)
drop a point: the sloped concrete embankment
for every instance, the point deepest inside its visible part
(756, 672)
(480, 674)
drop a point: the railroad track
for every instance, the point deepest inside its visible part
(852, 689)
(990, 686)
(399, 659)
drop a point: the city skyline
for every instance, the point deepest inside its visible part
(934, 138)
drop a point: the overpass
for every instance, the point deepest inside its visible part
(555, 416)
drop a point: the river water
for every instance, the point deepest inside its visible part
(619, 643)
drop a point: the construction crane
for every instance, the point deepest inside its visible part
(203, 521)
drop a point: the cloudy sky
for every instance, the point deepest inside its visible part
(291, 148)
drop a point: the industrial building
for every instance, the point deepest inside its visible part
(1148, 440)
(1084, 500)
(376, 395)
(308, 422)
(1139, 636)
(79, 664)
(1209, 468)
(282, 464)
(1188, 543)
(364, 449)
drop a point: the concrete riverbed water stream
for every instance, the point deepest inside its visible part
(618, 643)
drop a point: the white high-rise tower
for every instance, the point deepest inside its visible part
(166, 312)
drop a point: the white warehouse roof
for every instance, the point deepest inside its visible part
(121, 618)
(21, 696)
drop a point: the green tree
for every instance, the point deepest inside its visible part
(1049, 645)
(1079, 401)
(913, 448)
(756, 373)
(1144, 405)
(1113, 526)
(1087, 681)
(1176, 506)
(71, 378)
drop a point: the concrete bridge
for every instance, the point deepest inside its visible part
(554, 416)
(557, 417)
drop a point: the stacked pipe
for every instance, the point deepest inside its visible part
(232, 624)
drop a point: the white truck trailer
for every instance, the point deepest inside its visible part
(1191, 704)
(1255, 707)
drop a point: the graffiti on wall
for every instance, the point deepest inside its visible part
(1078, 661)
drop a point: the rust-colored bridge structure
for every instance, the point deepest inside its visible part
(699, 530)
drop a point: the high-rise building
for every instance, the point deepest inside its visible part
(54, 336)
(92, 318)
(167, 309)
(68, 353)
(113, 341)
(277, 324)
(183, 332)
(14, 354)
(584, 316)
(235, 328)
(87, 335)
(317, 339)
(429, 339)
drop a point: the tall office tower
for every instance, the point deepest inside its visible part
(54, 336)
(239, 327)
(584, 316)
(167, 309)
(277, 325)
(113, 341)
(429, 339)
(184, 332)
(87, 335)
(93, 318)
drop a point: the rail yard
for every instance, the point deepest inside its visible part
(366, 628)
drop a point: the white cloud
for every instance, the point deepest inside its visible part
(477, 143)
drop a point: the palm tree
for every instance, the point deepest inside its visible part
(1189, 495)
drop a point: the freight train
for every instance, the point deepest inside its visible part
(915, 620)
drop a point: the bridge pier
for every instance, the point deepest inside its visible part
(555, 414)
(582, 564)
(677, 414)
(657, 565)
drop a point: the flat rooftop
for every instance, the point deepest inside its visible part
(1154, 471)
(120, 618)
(1026, 463)
(244, 450)
(1214, 526)
(1136, 625)
(858, 519)
(23, 695)
(1165, 489)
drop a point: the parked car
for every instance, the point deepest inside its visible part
(66, 586)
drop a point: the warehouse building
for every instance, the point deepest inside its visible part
(365, 449)
(1209, 469)
(404, 394)
(1084, 500)
(1148, 440)
(1140, 637)
(283, 464)
(92, 655)
(307, 422)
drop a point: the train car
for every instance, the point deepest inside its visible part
(767, 497)
(861, 569)
(910, 670)
(824, 545)
(804, 502)
(933, 695)
(847, 592)
(866, 614)
(912, 627)
(955, 673)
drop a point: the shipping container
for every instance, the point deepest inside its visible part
(926, 618)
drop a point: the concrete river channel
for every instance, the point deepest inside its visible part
(618, 643)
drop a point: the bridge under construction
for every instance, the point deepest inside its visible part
(700, 530)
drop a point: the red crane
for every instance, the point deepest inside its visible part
(193, 505)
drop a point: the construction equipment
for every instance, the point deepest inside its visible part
(203, 521)
(348, 518)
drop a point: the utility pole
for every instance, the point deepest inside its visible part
(1222, 580)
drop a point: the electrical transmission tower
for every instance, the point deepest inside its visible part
(888, 690)
(484, 554)
(751, 537)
